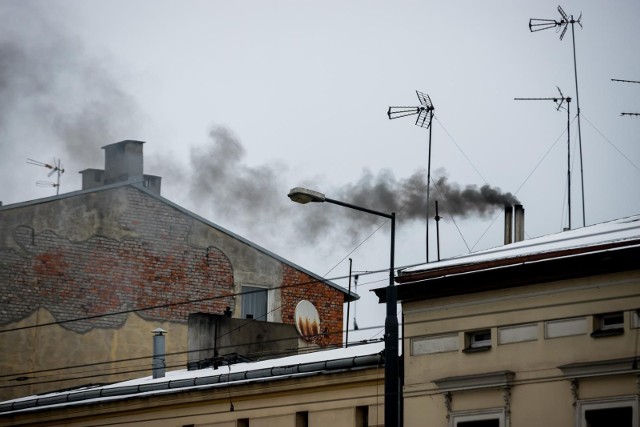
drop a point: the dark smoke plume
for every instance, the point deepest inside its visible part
(255, 197)
(48, 83)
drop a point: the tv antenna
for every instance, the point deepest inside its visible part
(56, 168)
(536, 24)
(627, 81)
(559, 101)
(424, 111)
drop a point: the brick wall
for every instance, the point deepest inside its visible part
(327, 300)
(124, 250)
(100, 275)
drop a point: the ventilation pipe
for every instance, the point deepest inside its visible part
(508, 225)
(158, 362)
(518, 223)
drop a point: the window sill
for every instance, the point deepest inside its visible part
(607, 333)
(477, 349)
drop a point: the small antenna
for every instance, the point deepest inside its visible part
(536, 24)
(56, 168)
(627, 81)
(425, 115)
(559, 101)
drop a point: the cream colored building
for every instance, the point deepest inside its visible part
(539, 332)
(336, 388)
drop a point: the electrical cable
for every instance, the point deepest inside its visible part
(233, 294)
(523, 183)
(461, 150)
(611, 143)
(435, 185)
(357, 246)
(287, 352)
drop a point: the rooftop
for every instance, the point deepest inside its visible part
(312, 363)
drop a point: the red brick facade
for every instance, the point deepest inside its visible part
(298, 286)
(135, 256)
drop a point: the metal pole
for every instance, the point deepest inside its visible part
(391, 383)
(392, 392)
(348, 305)
(569, 158)
(575, 71)
(438, 230)
(428, 186)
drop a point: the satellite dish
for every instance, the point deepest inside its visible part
(307, 320)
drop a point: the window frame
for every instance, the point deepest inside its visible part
(480, 415)
(601, 329)
(472, 345)
(255, 289)
(582, 406)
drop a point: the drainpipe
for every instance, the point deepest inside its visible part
(158, 363)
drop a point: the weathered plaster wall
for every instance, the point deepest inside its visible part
(54, 358)
(118, 250)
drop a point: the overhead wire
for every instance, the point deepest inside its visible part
(523, 183)
(611, 143)
(286, 351)
(173, 304)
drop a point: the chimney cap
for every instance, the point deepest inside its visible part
(124, 142)
(158, 331)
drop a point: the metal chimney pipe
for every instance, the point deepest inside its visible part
(519, 223)
(508, 225)
(158, 362)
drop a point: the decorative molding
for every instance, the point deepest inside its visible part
(448, 400)
(506, 396)
(466, 382)
(575, 391)
(598, 368)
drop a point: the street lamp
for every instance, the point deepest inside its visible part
(391, 368)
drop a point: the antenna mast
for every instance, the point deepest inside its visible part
(535, 25)
(559, 100)
(56, 168)
(627, 81)
(425, 115)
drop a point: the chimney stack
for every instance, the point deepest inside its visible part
(508, 225)
(518, 229)
(158, 363)
(513, 224)
(123, 162)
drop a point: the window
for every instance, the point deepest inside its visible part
(302, 419)
(243, 422)
(478, 341)
(362, 416)
(254, 303)
(478, 419)
(620, 412)
(609, 324)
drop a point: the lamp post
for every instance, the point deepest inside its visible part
(391, 368)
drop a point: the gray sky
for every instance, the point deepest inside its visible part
(240, 101)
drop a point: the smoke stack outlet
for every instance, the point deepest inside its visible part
(158, 364)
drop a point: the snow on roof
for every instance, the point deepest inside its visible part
(608, 232)
(181, 380)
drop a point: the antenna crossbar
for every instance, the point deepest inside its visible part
(56, 168)
(625, 81)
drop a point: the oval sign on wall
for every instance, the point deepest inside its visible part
(307, 320)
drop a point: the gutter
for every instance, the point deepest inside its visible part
(184, 384)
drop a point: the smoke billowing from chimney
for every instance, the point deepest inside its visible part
(68, 99)
(255, 197)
